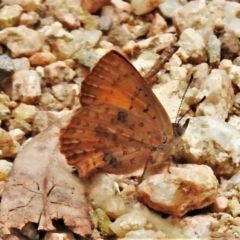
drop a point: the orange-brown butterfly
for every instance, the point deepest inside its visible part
(122, 124)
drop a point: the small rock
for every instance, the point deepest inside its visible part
(62, 49)
(198, 18)
(6, 70)
(19, 124)
(234, 207)
(20, 45)
(43, 119)
(219, 95)
(102, 193)
(214, 50)
(56, 29)
(30, 230)
(158, 25)
(169, 6)
(5, 112)
(29, 19)
(175, 192)
(144, 6)
(220, 204)
(25, 112)
(68, 20)
(58, 72)
(27, 5)
(213, 142)
(17, 134)
(230, 45)
(26, 86)
(5, 168)
(56, 235)
(192, 47)
(21, 63)
(42, 59)
(48, 102)
(9, 15)
(8, 146)
(93, 6)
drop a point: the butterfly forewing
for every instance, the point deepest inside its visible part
(115, 81)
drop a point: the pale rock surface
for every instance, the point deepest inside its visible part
(25, 112)
(9, 15)
(28, 5)
(213, 142)
(48, 102)
(42, 59)
(16, 134)
(68, 20)
(29, 19)
(26, 86)
(144, 6)
(195, 227)
(5, 112)
(5, 168)
(158, 25)
(219, 95)
(168, 7)
(102, 192)
(93, 6)
(56, 235)
(142, 220)
(21, 63)
(15, 39)
(120, 4)
(192, 46)
(43, 119)
(214, 49)
(175, 192)
(234, 121)
(198, 17)
(220, 204)
(8, 146)
(58, 72)
(56, 29)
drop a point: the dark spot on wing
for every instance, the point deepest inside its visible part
(110, 159)
(122, 116)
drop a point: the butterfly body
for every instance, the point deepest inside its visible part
(121, 126)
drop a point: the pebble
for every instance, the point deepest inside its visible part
(144, 6)
(175, 192)
(42, 59)
(9, 15)
(25, 112)
(58, 72)
(26, 86)
(15, 39)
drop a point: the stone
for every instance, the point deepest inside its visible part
(58, 72)
(29, 19)
(25, 112)
(5, 112)
(213, 142)
(56, 29)
(184, 188)
(102, 192)
(6, 68)
(168, 7)
(9, 15)
(15, 39)
(144, 6)
(219, 95)
(21, 63)
(158, 25)
(192, 46)
(93, 6)
(26, 86)
(68, 20)
(42, 59)
(9, 147)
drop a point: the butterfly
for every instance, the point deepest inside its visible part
(122, 126)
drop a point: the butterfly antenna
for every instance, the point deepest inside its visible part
(184, 94)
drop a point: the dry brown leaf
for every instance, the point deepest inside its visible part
(41, 187)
